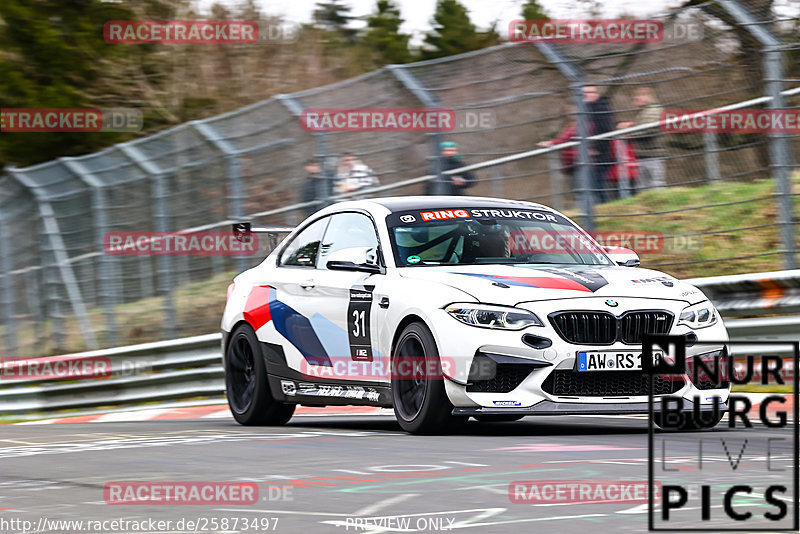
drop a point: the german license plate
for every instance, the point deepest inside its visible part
(612, 360)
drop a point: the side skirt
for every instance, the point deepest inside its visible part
(290, 386)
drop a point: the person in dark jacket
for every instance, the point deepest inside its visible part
(601, 120)
(313, 187)
(451, 184)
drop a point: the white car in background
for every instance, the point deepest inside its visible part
(449, 307)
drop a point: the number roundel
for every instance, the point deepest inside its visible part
(358, 328)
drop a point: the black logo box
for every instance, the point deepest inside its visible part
(663, 342)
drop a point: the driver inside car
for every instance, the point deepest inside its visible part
(488, 242)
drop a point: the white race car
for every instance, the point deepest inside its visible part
(449, 307)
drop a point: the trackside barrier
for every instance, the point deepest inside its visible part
(716, 56)
(151, 372)
(191, 368)
(754, 293)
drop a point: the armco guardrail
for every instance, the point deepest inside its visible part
(151, 372)
(189, 368)
(753, 294)
(765, 329)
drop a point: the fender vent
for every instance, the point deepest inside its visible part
(507, 377)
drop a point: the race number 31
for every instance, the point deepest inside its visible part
(358, 330)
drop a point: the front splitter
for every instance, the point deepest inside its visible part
(547, 407)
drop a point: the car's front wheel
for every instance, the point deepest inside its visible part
(418, 395)
(246, 384)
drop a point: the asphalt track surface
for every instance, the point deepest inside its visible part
(363, 474)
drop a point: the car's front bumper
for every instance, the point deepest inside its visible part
(532, 395)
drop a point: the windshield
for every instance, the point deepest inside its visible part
(471, 236)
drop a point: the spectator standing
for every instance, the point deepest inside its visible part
(600, 121)
(567, 155)
(314, 189)
(649, 144)
(353, 175)
(451, 184)
(627, 164)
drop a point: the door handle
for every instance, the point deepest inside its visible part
(308, 284)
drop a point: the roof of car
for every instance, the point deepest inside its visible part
(412, 203)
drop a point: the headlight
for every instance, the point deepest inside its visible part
(698, 316)
(487, 316)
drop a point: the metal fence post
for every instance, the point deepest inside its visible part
(165, 278)
(60, 257)
(237, 195)
(6, 266)
(106, 277)
(36, 304)
(161, 217)
(779, 148)
(623, 175)
(781, 159)
(429, 100)
(556, 180)
(56, 315)
(321, 148)
(234, 174)
(585, 188)
(108, 282)
(576, 82)
(712, 156)
(146, 280)
(51, 286)
(497, 183)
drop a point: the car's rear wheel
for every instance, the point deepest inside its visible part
(246, 384)
(418, 395)
(498, 418)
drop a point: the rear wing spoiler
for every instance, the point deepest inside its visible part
(243, 230)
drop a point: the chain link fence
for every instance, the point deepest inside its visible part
(728, 205)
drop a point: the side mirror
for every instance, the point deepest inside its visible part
(623, 256)
(362, 259)
(241, 231)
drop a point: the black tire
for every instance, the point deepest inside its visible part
(246, 384)
(498, 418)
(420, 402)
(708, 422)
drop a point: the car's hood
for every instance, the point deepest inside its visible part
(511, 284)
